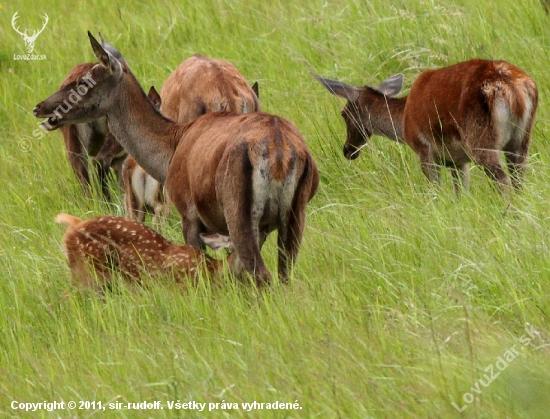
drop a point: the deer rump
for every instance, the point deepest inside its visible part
(243, 175)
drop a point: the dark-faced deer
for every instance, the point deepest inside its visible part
(102, 246)
(90, 139)
(93, 138)
(238, 175)
(470, 111)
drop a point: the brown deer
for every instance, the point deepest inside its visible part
(199, 85)
(466, 112)
(100, 247)
(202, 84)
(238, 175)
(93, 138)
(88, 139)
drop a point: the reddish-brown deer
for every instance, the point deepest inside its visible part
(199, 85)
(90, 139)
(238, 175)
(470, 111)
(202, 84)
(100, 247)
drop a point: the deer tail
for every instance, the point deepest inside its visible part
(70, 221)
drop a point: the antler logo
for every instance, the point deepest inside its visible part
(29, 39)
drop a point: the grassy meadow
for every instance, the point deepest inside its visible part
(403, 297)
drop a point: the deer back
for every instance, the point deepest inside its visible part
(452, 106)
(249, 163)
(200, 85)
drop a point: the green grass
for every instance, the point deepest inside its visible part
(402, 296)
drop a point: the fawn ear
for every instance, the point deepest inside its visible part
(154, 97)
(338, 88)
(217, 241)
(105, 58)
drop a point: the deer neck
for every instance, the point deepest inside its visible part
(385, 117)
(147, 136)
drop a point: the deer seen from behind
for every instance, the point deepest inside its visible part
(199, 85)
(238, 175)
(470, 111)
(101, 247)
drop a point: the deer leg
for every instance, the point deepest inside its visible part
(102, 170)
(192, 227)
(161, 212)
(429, 167)
(116, 165)
(77, 156)
(291, 230)
(461, 178)
(243, 215)
(516, 158)
(289, 239)
(420, 143)
(131, 204)
(490, 161)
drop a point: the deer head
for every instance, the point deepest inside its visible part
(100, 86)
(360, 113)
(29, 39)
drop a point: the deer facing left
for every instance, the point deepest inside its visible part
(238, 175)
(90, 139)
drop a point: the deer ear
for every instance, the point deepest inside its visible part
(105, 58)
(256, 89)
(338, 88)
(217, 241)
(154, 97)
(109, 48)
(392, 85)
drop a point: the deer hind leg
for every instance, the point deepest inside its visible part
(192, 226)
(243, 189)
(132, 205)
(161, 209)
(516, 162)
(490, 161)
(292, 228)
(515, 153)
